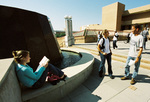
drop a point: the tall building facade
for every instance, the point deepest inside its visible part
(115, 17)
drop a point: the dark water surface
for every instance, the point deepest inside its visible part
(69, 58)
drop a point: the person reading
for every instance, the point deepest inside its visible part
(27, 76)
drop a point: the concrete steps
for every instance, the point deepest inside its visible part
(120, 57)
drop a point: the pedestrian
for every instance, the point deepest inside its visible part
(135, 51)
(105, 54)
(128, 38)
(115, 38)
(99, 36)
(25, 73)
(145, 34)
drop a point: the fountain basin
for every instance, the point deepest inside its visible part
(69, 58)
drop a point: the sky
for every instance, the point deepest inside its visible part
(83, 12)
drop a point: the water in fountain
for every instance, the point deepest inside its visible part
(69, 58)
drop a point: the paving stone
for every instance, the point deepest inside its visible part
(105, 92)
(82, 94)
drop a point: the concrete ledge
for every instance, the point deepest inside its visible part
(76, 73)
(9, 87)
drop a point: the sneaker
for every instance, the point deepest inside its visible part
(132, 81)
(124, 78)
(111, 77)
(64, 77)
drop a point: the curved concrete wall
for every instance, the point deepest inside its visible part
(27, 30)
(10, 90)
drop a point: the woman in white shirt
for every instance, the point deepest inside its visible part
(105, 54)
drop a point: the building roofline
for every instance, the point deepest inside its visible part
(141, 9)
(113, 4)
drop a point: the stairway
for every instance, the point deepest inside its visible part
(118, 57)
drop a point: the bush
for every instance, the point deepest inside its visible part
(60, 35)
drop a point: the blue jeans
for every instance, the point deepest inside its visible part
(49, 68)
(115, 44)
(101, 67)
(127, 67)
(144, 43)
(98, 41)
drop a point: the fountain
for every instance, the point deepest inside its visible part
(27, 30)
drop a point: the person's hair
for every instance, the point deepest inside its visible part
(104, 31)
(98, 32)
(19, 54)
(136, 26)
(144, 28)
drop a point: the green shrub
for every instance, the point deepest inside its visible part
(60, 35)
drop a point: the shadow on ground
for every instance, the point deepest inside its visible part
(84, 92)
(93, 81)
(122, 48)
(143, 78)
(87, 44)
(139, 79)
(145, 52)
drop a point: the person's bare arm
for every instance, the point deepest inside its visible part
(98, 47)
(139, 54)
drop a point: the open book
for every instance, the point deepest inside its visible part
(44, 61)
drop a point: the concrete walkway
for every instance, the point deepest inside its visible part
(96, 89)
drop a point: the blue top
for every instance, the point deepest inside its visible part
(26, 75)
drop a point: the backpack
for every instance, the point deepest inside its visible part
(117, 36)
(102, 47)
(53, 79)
(101, 36)
(128, 36)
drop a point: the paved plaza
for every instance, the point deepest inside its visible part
(96, 89)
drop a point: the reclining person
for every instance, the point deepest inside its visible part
(25, 73)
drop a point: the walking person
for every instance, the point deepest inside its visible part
(26, 75)
(128, 38)
(115, 38)
(135, 51)
(105, 54)
(99, 36)
(145, 34)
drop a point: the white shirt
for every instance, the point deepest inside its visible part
(131, 34)
(106, 44)
(98, 36)
(135, 43)
(115, 38)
